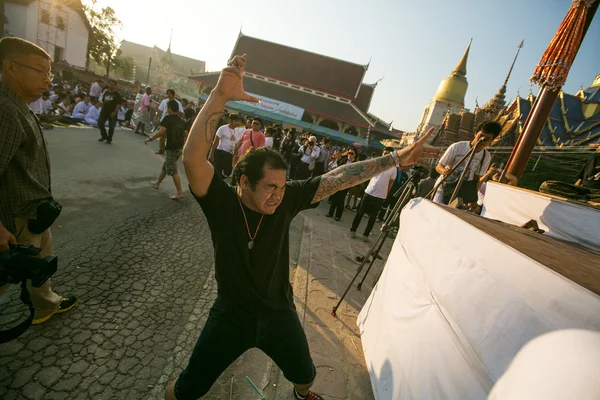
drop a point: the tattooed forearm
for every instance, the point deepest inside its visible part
(350, 175)
(203, 130)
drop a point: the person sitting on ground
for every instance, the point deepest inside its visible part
(81, 109)
(121, 113)
(64, 107)
(91, 118)
(173, 128)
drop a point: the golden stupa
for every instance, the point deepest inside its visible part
(453, 89)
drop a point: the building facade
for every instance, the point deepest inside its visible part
(167, 70)
(330, 92)
(59, 27)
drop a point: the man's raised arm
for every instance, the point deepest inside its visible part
(198, 170)
(350, 175)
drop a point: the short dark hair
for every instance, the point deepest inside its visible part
(253, 163)
(270, 130)
(326, 140)
(388, 148)
(258, 120)
(234, 117)
(14, 45)
(46, 93)
(172, 91)
(492, 127)
(173, 105)
(433, 173)
(352, 148)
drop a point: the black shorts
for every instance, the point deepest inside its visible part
(227, 335)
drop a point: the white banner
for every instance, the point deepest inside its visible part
(276, 106)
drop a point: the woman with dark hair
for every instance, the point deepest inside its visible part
(337, 199)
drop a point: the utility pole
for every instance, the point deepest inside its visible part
(148, 75)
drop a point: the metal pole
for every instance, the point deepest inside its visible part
(382, 235)
(433, 191)
(148, 75)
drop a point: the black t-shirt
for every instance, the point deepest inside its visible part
(110, 101)
(176, 128)
(589, 173)
(254, 281)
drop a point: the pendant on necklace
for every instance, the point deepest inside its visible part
(251, 244)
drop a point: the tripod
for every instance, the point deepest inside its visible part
(404, 193)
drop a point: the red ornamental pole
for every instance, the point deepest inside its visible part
(551, 74)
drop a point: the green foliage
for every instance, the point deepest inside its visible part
(103, 46)
(124, 65)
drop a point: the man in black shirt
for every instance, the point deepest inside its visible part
(249, 226)
(174, 128)
(111, 101)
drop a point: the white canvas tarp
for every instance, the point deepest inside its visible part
(453, 307)
(560, 219)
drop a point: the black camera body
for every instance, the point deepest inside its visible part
(21, 262)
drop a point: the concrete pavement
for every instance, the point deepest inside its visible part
(142, 266)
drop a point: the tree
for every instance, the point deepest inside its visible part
(124, 65)
(103, 46)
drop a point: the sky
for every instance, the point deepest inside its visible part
(411, 44)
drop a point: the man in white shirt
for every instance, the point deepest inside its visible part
(81, 109)
(224, 145)
(375, 194)
(310, 152)
(486, 134)
(163, 109)
(95, 90)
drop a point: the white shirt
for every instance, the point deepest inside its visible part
(92, 114)
(479, 165)
(36, 107)
(95, 90)
(46, 105)
(163, 107)
(269, 142)
(378, 185)
(121, 114)
(80, 110)
(227, 138)
(309, 157)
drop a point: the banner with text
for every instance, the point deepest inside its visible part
(276, 106)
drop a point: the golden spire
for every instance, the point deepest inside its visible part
(461, 68)
(452, 90)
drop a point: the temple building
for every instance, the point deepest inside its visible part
(167, 70)
(449, 98)
(573, 121)
(310, 88)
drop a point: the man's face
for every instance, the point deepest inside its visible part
(171, 95)
(45, 98)
(256, 126)
(352, 155)
(268, 192)
(148, 91)
(31, 73)
(485, 142)
(98, 104)
(327, 146)
(112, 86)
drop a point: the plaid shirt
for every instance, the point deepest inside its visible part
(24, 160)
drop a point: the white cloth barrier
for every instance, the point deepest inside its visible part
(560, 219)
(454, 305)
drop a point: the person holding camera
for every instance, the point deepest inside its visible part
(249, 226)
(308, 159)
(27, 209)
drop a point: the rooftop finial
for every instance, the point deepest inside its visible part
(461, 67)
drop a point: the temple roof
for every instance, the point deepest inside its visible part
(293, 65)
(310, 102)
(365, 95)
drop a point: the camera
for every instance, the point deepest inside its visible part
(20, 263)
(17, 266)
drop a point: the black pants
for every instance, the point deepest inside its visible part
(368, 205)
(319, 169)
(227, 335)
(337, 203)
(112, 122)
(223, 162)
